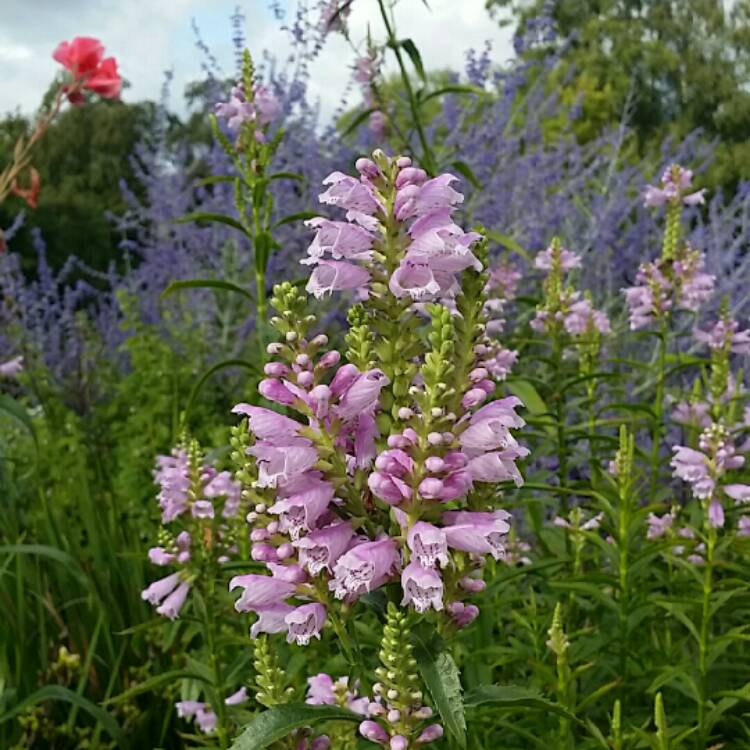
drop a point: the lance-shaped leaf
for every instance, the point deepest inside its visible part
(443, 680)
(229, 221)
(176, 286)
(512, 696)
(276, 723)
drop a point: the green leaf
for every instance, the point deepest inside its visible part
(229, 221)
(61, 693)
(416, 59)
(177, 286)
(10, 406)
(152, 683)
(509, 243)
(276, 723)
(357, 121)
(52, 553)
(300, 216)
(465, 170)
(287, 176)
(214, 179)
(208, 373)
(442, 678)
(456, 88)
(263, 243)
(513, 696)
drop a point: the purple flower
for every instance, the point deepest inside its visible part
(270, 426)
(12, 368)
(568, 260)
(260, 592)
(740, 493)
(462, 614)
(336, 275)
(674, 182)
(477, 532)
(692, 466)
(362, 395)
(428, 544)
(271, 619)
(715, 514)
(388, 487)
(725, 333)
(413, 200)
(414, 277)
(659, 525)
(237, 698)
(305, 623)
(372, 731)
(159, 590)
(423, 587)
(320, 549)
(743, 526)
(364, 568)
(279, 465)
(172, 605)
(498, 466)
(320, 690)
(349, 193)
(173, 476)
(340, 239)
(302, 503)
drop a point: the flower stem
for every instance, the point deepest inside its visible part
(658, 426)
(704, 634)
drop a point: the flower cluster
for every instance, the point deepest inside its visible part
(205, 503)
(501, 290)
(84, 58)
(705, 470)
(12, 368)
(259, 108)
(399, 233)
(368, 484)
(564, 308)
(202, 713)
(677, 279)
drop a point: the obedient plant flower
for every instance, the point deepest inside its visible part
(417, 257)
(202, 713)
(564, 311)
(676, 183)
(12, 368)
(677, 279)
(259, 109)
(190, 496)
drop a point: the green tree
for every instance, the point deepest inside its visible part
(81, 161)
(673, 65)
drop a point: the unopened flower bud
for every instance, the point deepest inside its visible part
(329, 359)
(291, 336)
(434, 464)
(305, 379)
(320, 340)
(405, 413)
(276, 369)
(303, 360)
(434, 438)
(285, 551)
(274, 349)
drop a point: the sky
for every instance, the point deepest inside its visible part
(149, 37)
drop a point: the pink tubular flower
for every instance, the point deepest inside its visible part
(372, 731)
(477, 532)
(320, 549)
(271, 619)
(692, 466)
(270, 426)
(715, 514)
(428, 544)
(568, 259)
(320, 690)
(349, 193)
(725, 333)
(173, 477)
(279, 465)
(260, 592)
(743, 526)
(302, 503)
(362, 395)
(161, 589)
(340, 239)
(740, 493)
(333, 275)
(423, 587)
(462, 614)
(659, 525)
(364, 568)
(172, 605)
(305, 623)
(675, 182)
(12, 368)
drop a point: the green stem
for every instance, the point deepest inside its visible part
(428, 161)
(704, 635)
(622, 534)
(559, 399)
(209, 633)
(658, 426)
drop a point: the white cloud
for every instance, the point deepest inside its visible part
(149, 37)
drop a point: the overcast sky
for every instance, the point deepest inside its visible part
(150, 36)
